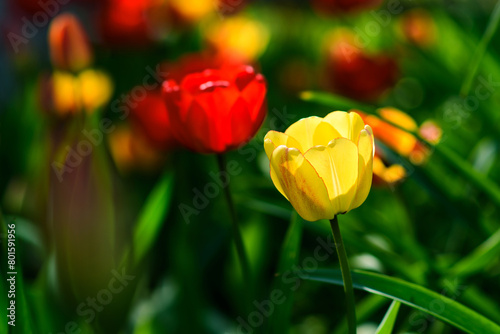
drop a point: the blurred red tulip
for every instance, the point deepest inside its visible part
(150, 116)
(356, 74)
(69, 47)
(124, 22)
(344, 6)
(218, 109)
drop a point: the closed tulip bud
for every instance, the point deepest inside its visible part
(216, 110)
(69, 47)
(323, 166)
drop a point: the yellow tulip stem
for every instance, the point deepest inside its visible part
(238, 240)
(346, 276)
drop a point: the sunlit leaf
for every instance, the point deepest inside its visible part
(152, 216)
(415, 296)
(389, 320)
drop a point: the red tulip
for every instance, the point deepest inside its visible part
(151, 118)
(354, 73)
(216, 110)
(124, 22)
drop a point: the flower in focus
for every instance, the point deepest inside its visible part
(149, 116)
(354, 73)
(344, 6)
(216, 110)
(238, 37)
(65, 93)
(402, 142)
(418, 27)
(69, 47)
(323, 166)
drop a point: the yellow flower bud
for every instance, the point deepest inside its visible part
(323, 166)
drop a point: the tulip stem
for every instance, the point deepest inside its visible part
(346, 276)
(238, 240)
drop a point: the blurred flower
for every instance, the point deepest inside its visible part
(323, 166)
(82, 214)
(218, 109)
(417, 26)
(191, 11)
(69, 46)
(196, 62)
(344, 6)
(149, 116)
(132, 151)
(354, 73)
(402, 142)
(238, 37)
(386, 175)
(64, 93)
(230, 7)
(124, 22)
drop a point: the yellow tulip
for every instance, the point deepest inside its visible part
(323, 166)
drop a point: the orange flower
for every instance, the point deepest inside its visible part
(418, 27)
(402, 142)
(69, 47)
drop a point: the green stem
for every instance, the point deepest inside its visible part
(238, 240)
(346, 276)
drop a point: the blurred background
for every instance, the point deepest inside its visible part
(121, 230)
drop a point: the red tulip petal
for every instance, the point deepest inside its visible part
(241, 124)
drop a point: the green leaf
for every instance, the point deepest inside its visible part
(478, 259)
(280, 319)
(481, 50)
(387, 323)
(364, 309)
(152, 216)
(415, 296)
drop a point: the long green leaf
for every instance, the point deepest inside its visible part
(152, 216)
(481, 49)
(389, 320)
(478, 259)
(280, 319)
(415, 296)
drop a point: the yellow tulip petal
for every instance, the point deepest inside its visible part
(366, 150)
(274, 139)
(301, 183)
(337, 164)
(303, 131)
(324, 134)
(349, 125)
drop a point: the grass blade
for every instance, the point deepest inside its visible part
(491, 28)
(389, 320)
(478, 259)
